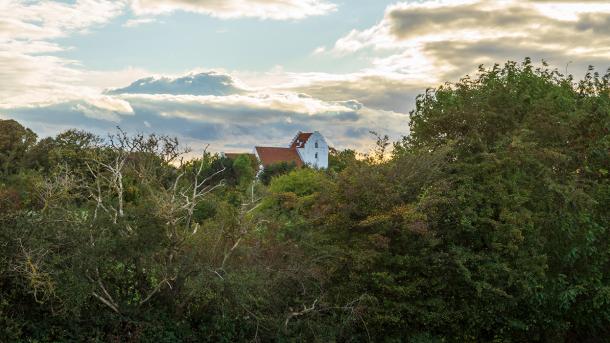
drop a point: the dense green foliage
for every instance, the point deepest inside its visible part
(274, 170)
(489, 222)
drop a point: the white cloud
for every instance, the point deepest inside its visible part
(233, 104)
(42, 80)
(570, 10)
(104, 108)
(206, 82)
(35, 79)
(264, 9)
(32, 76)
(48, 19)
(138, 21)
(319, 50)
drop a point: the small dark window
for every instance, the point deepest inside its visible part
(316, 145)
(316, 155)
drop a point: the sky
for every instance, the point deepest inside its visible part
(232, 74)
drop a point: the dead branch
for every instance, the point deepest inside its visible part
(294, 314)
(157, 289)
(106, 302)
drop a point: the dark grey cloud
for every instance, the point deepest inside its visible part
(487, 52)
(373, 91)
(599, 24)
(516, 17)
(358, 132)
(413, 21)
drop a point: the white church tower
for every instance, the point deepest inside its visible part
(312, 148)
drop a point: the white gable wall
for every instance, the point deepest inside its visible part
(316, 157)
(260, 162)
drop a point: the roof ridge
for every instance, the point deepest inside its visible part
(271, 155)
(295, 138)
(273, 147)
(300, 139)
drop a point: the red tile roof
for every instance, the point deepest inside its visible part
(300, 140)
(269, 155)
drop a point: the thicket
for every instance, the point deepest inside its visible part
(487, 223)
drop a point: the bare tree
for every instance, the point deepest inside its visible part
(176, 188)
(54, 190)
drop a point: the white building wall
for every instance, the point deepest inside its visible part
(260, 163)
(316, 157)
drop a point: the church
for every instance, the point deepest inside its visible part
(305, 149)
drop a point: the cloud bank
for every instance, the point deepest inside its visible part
(203, 112)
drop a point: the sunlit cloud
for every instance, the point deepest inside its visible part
(264, 9)
(30, 72)
(48, 19)
(445, 39)
(138, 21)
(195, 83)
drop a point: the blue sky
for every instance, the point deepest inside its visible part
(234, 73)
(197, 40)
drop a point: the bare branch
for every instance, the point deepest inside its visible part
(228, 253)
(299, 313)
(106, 302)
(157, 289)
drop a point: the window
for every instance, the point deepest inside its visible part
(316, 146)
(316, 155)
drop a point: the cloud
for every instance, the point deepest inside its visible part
(138, 21)
(203, 83)
(235, 121)
(42, 80)
(319, 50)
(50, 93)
(264, 9)
(50, 19)
(340, 104)
(105, 108)
(32, 76)
(414, 46)
(256, 107)
(448, 39)
(238, 123)
(373, 90)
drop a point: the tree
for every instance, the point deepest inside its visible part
(274, 170)
(15, 142)
(244, 170)
(339, 160)
(519, 210)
